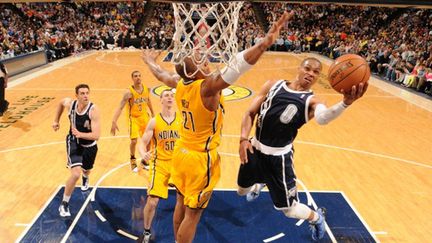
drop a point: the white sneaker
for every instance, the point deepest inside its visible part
(85, 184)
(253, 194)
(64, 209)
(146, 238)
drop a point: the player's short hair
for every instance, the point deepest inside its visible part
(132, 74)
(311, 59)
(80, 86)
(165, 90)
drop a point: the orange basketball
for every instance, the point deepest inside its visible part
(348, 70)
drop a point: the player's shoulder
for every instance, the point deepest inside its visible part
(128, 92)
(67, 101)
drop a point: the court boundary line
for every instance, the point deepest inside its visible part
(364, 152)
(359, 216)
(252, 92)
(38, 214)
(90, 197)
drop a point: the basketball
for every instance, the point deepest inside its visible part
(348, 70)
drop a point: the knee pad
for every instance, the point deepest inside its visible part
(290, 212)
(297, 211)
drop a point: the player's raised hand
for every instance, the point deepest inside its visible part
(150, 55)
(274, 31)
(355, 93)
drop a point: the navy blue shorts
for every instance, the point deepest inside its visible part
(79, 155)
(277, 172)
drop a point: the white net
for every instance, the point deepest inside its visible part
(206, 32)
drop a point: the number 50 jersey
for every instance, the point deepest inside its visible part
(164, 136)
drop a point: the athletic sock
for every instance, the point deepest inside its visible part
(66, 198)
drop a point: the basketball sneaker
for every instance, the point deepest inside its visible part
(133, 165)
(85, 184)
(318, 227)
(64, 209)
(146, 237)
(253, 194)
(145, 164)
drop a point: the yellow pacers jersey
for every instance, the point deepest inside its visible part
(200, 129)
(164, 137)
(138, 104)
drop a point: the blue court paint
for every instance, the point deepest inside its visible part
(228, 218)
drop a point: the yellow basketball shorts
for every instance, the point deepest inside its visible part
(137, 126)
(195, 174)
(160, 171)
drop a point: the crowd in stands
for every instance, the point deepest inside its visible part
(66, 28)
(397, 42)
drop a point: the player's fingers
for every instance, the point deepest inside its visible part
(360, 90)
(242, 155)
(353, 91)
(250, 148)
(284, 18)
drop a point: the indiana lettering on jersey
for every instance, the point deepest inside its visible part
(140, 100)
(168, 134)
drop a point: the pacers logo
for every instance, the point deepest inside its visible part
(231, 93)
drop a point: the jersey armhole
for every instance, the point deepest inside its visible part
(307, 107)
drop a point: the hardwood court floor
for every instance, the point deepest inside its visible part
(378, 152)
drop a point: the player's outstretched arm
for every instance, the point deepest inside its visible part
(126, 96)
(252, 54)
(324, 115)
(247, 58)
(168, 78)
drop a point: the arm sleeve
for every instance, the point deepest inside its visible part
(324, 115)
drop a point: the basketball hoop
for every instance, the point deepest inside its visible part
(205, 31)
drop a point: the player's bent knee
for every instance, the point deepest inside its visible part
(241, 191)
(153, 201)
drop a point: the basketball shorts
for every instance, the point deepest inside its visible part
(160, 172)
(277, 172)
(195, 174)
(137, 126)
(80, 155)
